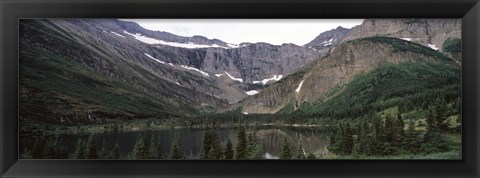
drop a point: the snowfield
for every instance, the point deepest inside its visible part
(299, 87)
(189, 45)
(252, 92)
(434, 47)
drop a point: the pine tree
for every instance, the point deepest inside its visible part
(439, 114)
(103, 153)
(115, 154)
(79, 150)
(229, 150)
(398, 134)
(256, 152)
(216, 151)
(285, 151)
(155, 150)
(140, 149)
(92, 148)
(411, 142)
(207, 145)
(176, 151)
(433, 141)
(300, 153)
(241, 147)
(346, 144)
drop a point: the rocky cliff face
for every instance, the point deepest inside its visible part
(345, 61)
(428, 32)
(328, 39)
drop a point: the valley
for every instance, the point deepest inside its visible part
(385, 89)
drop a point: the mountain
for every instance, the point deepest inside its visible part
(384, 69)
(437, 34)
(95, 70)
(328, 38)
(127, 27)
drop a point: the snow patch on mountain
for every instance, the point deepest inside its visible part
(299, 87)
(151, 57)
(190, 45)
(115, 33)
(218, 75)
(265, 81)
(194, 69)
(434, 47)
(328, 42)
(252, 92)
(233, 78)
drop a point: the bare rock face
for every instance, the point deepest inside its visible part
(428, 32)
(345, 61)
(259, 61)
(328, 39)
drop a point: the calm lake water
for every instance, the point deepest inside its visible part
(313, 139)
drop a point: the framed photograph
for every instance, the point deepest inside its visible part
(239, 88)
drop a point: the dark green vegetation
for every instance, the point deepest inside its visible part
(386, 136)
(454, 47)
(408, 86)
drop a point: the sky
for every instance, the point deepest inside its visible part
(236, 31)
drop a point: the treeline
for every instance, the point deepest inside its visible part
(387, 136)
(409, 86)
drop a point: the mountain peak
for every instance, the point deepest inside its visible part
(328, 38)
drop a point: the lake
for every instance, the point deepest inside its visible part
(312, 139)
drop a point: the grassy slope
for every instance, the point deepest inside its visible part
(415, 84)
(56, 82)
(54, 85)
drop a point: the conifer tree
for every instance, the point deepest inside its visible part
(398, 134)
(229, 150)
(216, 151)
(155, 150)
(411, 142)
(176, 151)
(300, 153)
(140, 149)
(103, 153)
(241, 148)
(256, 152)
(115, 154)
(207, 144)
(346, 145)
(285, 151)
(79, 150)
(92, 148)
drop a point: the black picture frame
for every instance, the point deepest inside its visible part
(12, 10)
